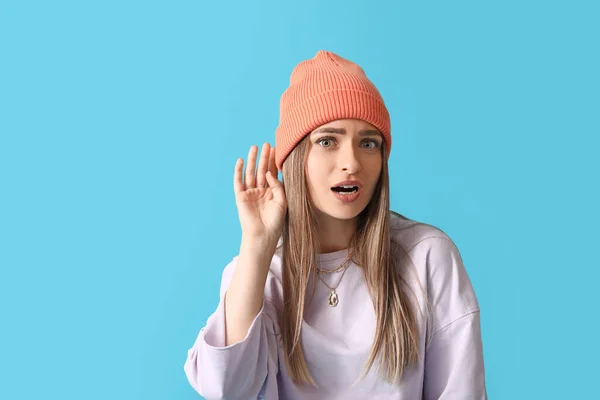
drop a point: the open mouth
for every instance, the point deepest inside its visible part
(345, 189)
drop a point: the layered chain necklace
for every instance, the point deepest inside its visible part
(333, 296)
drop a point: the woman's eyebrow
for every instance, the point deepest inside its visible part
(342, 131)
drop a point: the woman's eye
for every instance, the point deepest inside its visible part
(374, 144)
(328, 142)
(325, 142)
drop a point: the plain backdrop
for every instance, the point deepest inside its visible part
(120, 124)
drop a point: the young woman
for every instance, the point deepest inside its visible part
(332, 295)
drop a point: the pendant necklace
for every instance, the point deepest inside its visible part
(333, 296)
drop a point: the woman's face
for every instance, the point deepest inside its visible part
(343, 150)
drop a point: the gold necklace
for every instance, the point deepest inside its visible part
(333, 296)
(339, 268)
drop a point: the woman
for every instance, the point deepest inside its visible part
(332, 295)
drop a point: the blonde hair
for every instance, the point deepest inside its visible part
(396, 341)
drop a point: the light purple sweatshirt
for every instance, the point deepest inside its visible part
(337, 340)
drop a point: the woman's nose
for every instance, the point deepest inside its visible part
(349, 160)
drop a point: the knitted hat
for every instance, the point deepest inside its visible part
(323, 89)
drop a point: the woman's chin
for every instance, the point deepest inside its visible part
(343, 212)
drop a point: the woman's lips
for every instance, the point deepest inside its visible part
(347, 198)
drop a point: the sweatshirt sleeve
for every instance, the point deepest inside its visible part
(243, 370)
(454, 367)
(454, 362)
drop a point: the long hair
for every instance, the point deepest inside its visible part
(395, 344)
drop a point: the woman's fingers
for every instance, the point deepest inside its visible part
(238, 185)
(275, 185)
(272, 163)
(263, 166)
(251, 168)
(255, 178)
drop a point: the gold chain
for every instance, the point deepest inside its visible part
(333, 296)
(339, 268)
(339, 280)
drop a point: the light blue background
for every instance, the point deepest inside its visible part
(121, 122)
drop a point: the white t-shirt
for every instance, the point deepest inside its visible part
(337, 340)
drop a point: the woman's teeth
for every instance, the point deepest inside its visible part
(345, 189)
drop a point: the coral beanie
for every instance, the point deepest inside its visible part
(322, 89)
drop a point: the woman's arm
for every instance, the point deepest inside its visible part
(454, 366)
(454, 361)
(244, 297)
(247, 365)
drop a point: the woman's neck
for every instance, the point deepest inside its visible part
(335, 234)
